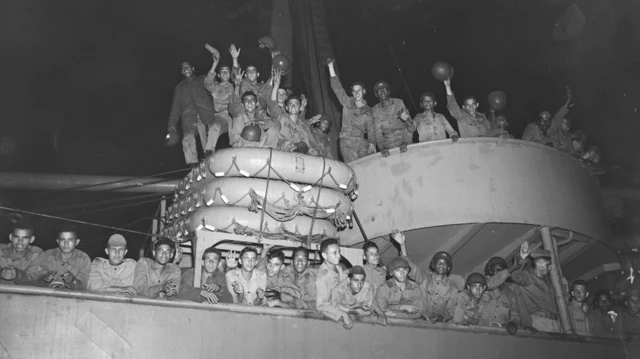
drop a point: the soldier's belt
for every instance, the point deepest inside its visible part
(351, 132)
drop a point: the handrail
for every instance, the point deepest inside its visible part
(281, 312)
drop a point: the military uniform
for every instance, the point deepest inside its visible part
(341, 295)
(389, 298)
(391, 131)
(25, 263)
(270, 128)
(221, 93)
(432, 126)
(325, 281)
(440, 296)
(469, 126)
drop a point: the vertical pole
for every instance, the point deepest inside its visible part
(163, 213)
(556, 280)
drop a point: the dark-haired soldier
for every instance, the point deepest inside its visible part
(114, 274)
(319, 136)
(391, 119)
(354, 295)
(441, 293)
(399, 297)
(193, 106)
(249, 83)
(329, 275)
(432, 126)
(158, 277)
(578, 308)
(560, 129)
(65, 266)
(282, 290)
(221, 93)
(244, 111)
(294, 129)
(18, 258)
(214, 286)
(471, 123)
(246, 284)
(357, 120)
(472, 301)
(376, 274)
(630, 316)
(602, 319)
(305, 279)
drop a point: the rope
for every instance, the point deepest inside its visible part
(266, 192)
(315, 210)
(116, 207)
(78, 221)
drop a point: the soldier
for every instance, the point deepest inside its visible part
(305, 279)
(560, 130)
(18, 258)
(319, 137)
(354, 295)
(114, 274)
(247, 285)
(630, 316)
(537, 293)
(158, 277)
(537, 131)
(471, 301)
(65, 266)
(376, 273)
(281, 290)
(602, 319)
(245, 114)
(262, 90)
(294, 130)
(221, 93)
(393, 125)
(357, 120)
(441, 293)
(214, 285)
(504, 309)
(329, 275)
(193, 106)
(432, 126)
(399, 297)
(471, 123)
(500, 128)
(578, 308)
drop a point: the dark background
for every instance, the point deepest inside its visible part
(86, 86)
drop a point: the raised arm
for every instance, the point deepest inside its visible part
(556, 121)
(336, 86)
(452, 104)
(415, 273)
(210, 80)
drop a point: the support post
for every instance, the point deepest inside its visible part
(556, 280)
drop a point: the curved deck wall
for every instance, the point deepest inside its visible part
(478, 180)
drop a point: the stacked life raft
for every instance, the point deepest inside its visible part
(263, 192)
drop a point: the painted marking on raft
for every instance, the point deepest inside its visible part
(100, 334)
(4, 354)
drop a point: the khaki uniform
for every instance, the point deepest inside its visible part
(533, 133)
(538, 297)
(104, 275)
(561, 140)
(270, 128)
(602, 324)
(440, 296)
(25, 263)
(325, 281)
(221, 93)
(258, 281)
(469, 126)
(189, 292)
(291, 132)
(356, 123)
(341, 295)
(376, 276)
(390, 130)
(389, 298)
(306, 283)
(579, 318)
(149, 274)
(79, 265)
(432, 127)
(320, 144)
(630, 322)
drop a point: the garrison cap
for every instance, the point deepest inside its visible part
(117, 240)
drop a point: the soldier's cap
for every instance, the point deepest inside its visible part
(442, 255)
(496, 260)
(541, 253)
(357, 270)
(162, 241)
(117, 240)
(380, 85)
(632, 293)
(544, 114)
(476, 278)
(398, 262)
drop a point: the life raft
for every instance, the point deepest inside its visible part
(240, 220)
(289, 167)
(284, 201)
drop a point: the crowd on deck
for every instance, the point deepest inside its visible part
(516, 297)
(263, 114)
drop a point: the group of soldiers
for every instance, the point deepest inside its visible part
(520, 297)
(263, 114)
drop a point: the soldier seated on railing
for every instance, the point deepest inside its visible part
(18, 258)
(281, 290)
(247, 285)
(214, 285)
(65, 266)
(354, 295)
(115, 274)
(158, 277)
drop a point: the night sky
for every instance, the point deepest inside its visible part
(86, 86)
